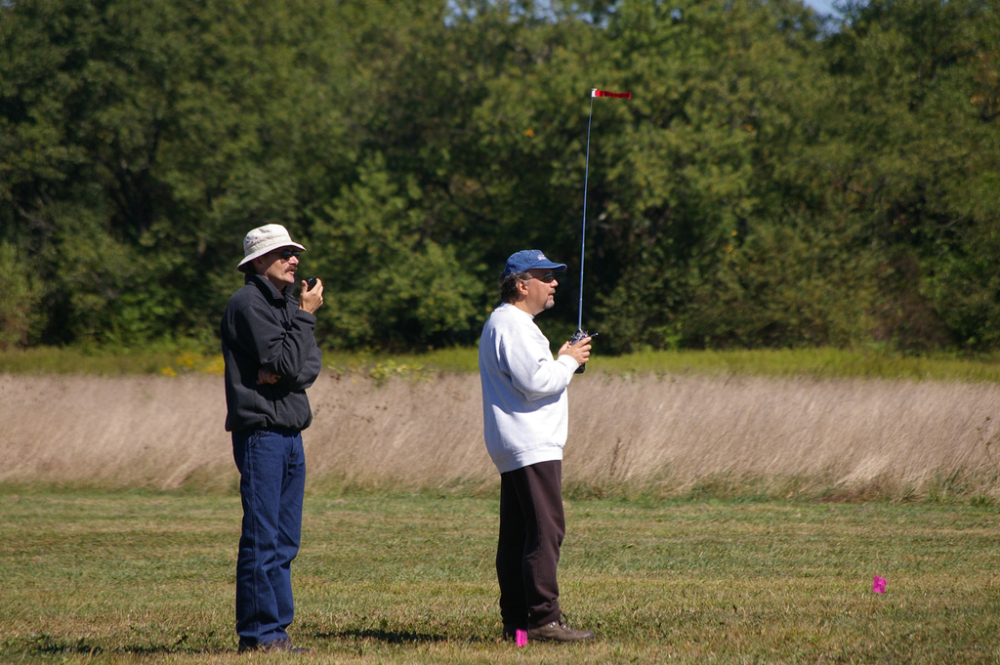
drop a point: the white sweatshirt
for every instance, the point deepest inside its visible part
(525, 410)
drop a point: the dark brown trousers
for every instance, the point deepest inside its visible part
(532, 526)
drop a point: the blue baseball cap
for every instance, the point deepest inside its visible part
(530, 259)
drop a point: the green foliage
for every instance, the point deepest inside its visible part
(915, 162)
(390, 285)
(774, 182)
(162, 359)
(788, 286)
(20, 298)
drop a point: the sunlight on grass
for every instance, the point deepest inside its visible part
(810, 363)
(391, 577)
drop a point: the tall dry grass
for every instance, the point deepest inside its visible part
(664, 435)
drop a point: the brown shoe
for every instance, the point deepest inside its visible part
(558, 631)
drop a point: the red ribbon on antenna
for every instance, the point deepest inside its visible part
(605, 93)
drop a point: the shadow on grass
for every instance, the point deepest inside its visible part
(84, 648)
(387, 636)
(81, 647)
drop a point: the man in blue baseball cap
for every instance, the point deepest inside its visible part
(525, 418)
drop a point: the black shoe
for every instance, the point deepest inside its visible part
(510, 632)
(558, 631)
(277, 646)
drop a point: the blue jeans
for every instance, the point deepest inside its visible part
(272, 481)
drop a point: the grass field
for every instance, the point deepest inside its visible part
(659, 436)
(130, 577)
(723, 508)
(822, 363)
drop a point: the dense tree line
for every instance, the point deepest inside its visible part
(778, 179)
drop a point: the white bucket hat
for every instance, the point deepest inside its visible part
(264, 239)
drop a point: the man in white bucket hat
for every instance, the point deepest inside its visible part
(271, 358)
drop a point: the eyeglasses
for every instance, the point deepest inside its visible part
(289, 253)
(547, 278)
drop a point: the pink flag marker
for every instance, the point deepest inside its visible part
(522, 638)
(879, 585)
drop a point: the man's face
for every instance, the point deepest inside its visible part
(279, 266)
(541, 291)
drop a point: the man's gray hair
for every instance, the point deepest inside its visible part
(508, 286)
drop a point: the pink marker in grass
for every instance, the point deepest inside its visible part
(879, 585)
(522, 638)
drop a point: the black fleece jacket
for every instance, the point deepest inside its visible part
(264, 328)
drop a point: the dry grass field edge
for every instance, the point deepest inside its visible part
(658, 435)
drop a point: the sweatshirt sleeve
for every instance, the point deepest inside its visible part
(310, 371)
(284, 352)
(533, 370)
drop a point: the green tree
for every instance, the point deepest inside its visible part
(718, 81)
(388, 285)
(162, 132)
(770, 183)
(18, 305)
(913, 163)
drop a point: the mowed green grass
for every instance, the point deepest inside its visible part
(394, 578)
